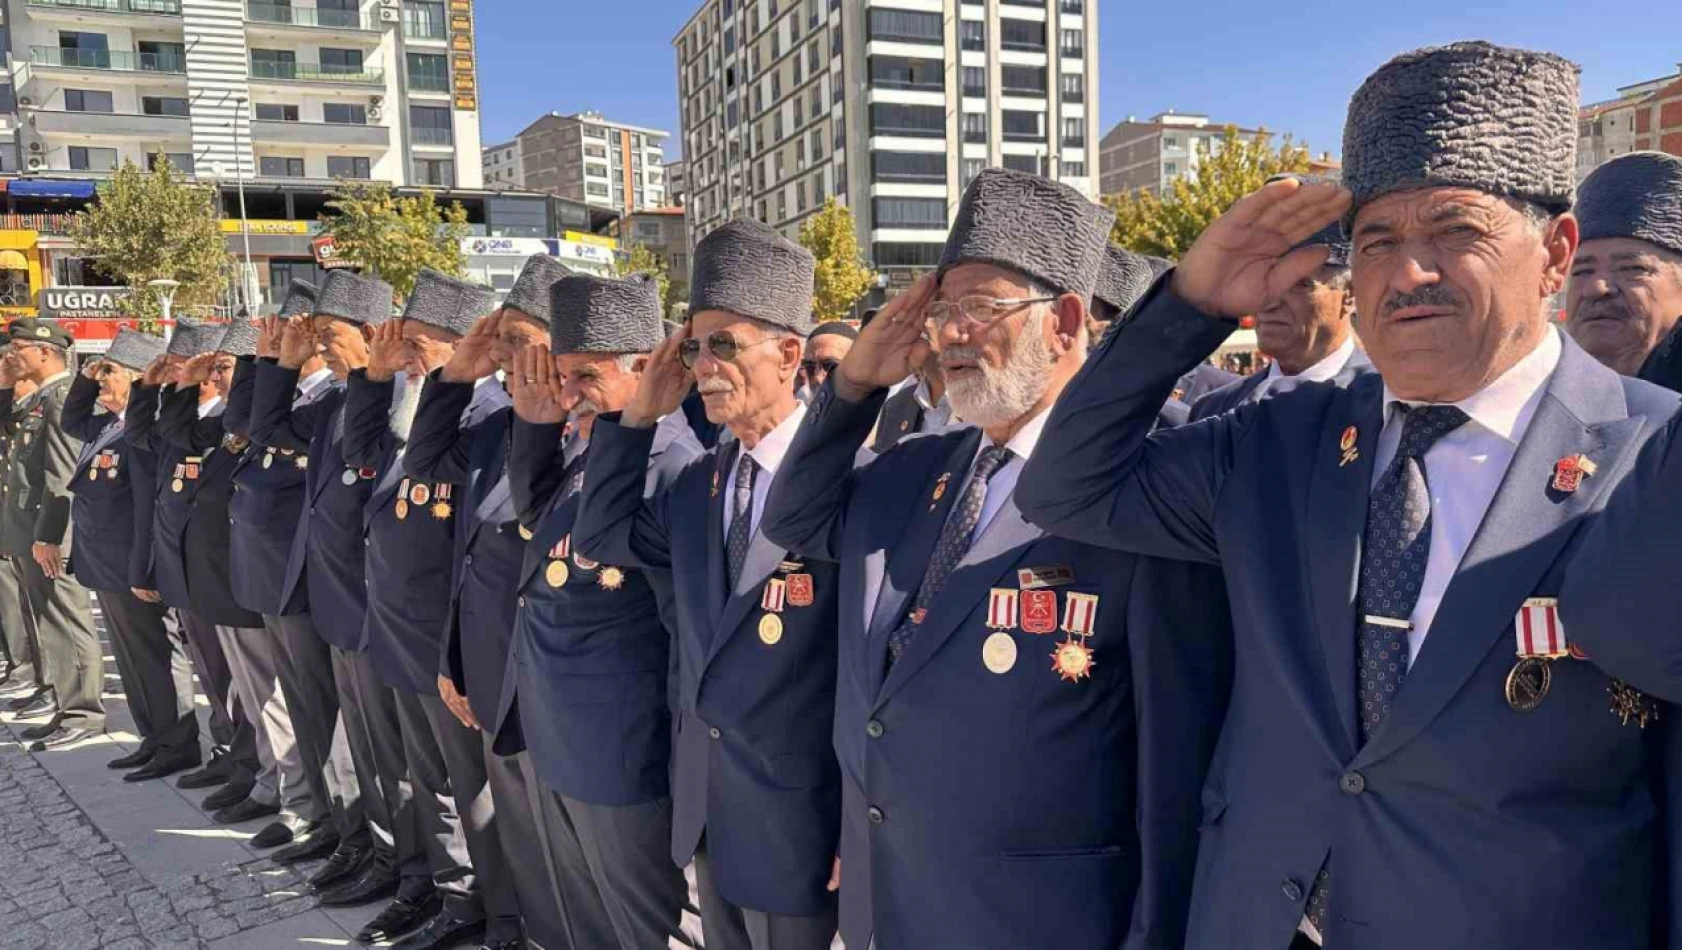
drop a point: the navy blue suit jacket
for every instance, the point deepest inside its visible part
(1461, 822)
(753, 763)
(1013, 809)
(1243, 390)
(588, 674)
(489, 544)
(103, 516)
(267, 508)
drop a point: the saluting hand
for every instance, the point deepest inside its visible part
(387, 351)
(891, 347)
(8, 372)
(426, 354)
(1244, 260)
(156, 373)
(270, 329)
(537, 388)
(297, 343)
(197, 369)
(665, 384)
(90, 370)
(473, 359)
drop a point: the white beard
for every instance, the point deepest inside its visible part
(405, 402)
(989, 397)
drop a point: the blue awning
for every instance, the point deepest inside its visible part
(52, 188)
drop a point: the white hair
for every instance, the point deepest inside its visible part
(1001, 395)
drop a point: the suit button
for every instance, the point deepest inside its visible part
(1292, 890)
(1352, 783)
(873, 729)
(714, 732)
(467, 560)
(875, 815)
(522, 601)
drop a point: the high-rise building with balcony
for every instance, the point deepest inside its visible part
(586, 158)
(266, 90)
(891, 106)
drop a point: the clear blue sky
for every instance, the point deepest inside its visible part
(1290, 66)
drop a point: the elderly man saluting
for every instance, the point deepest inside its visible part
(1414, 755)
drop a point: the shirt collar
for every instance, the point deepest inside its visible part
(206, 408)
(61, 374)
(768, 454)
(924, 399)
(1329, 366)
(1506, 406)
(1021, 445)
(313, 381)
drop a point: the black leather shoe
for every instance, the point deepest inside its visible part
(273, 835)
(230, 794)
(64, 736)
(399, 917)
(313, 845)
(444, 930)
(164, 766)
(133, 760)
(514, 944)
(248, 810)
(41, 731)
(343, 866)
(215, 772)
(40, 705)
(19, 703)
(375, 883)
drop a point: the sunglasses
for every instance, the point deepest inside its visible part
(813, 367)
(722, 345)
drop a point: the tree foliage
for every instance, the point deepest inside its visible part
(156, 225)
(1166, 226)
(842, 277)
(393, 237)
(641, 259)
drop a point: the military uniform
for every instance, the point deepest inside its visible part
(23, 651)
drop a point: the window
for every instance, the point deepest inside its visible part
(972, 35)
(1074, 132)
(1170, 168)
(897, 119)
(908, 166)
(800, 195)
(1021, 34)
(1023, 163)
(909, 212)
(92, 159)
(1073, 44)
(776, 127)
(907, 255)
(431, 125)
(1029, 80)
(440, 172)
(159, 57)
(163, 105)
(817, 145)
(975, 81)
(776, 84)
(814, 54)
(898, 72)
(975, 126)
(86, 100)
(1170, 141)
(1071, 6)
(276, 112)
(777, 163)
(1074, 169)
(344, 113)
(270, 166)
(274, 64)
(729, 40)
(1020, 126)
(424, 20)
(776, 44)
(341, 61)
(907, 25)
(782, 204)
(430, 72)
(971, 168)
(595, 151)
(1074, 87)
(347, 166)
(598, 190)
(732, 115)
(83, 49)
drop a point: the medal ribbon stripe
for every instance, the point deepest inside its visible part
(1001, 609)
(1080, 614)
(772, 598)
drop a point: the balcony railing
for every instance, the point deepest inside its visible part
(1074, 141)
(312, 72)
(429, 82)
(45, 223)
(428, 136)
(118, 60)
(309, 16)
(975, 92)
(424, 27)
(160, 7)
(1072, 6)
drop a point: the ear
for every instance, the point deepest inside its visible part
(1349, 303)
(791, 348)
(1561, 246)
(1069, 313)
(639, 364)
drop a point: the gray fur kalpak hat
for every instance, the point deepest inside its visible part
(531, 293)
(1123, 279)
(1043, 230)
(239, 339)
(300, 300)
(605, 315)
(748, 268)
(194, 337)
(134, 350)
(1470, 115)
(365, 301)
(447, 303)
(1638, 195)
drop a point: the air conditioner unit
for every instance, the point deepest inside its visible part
(35, 164)
(388, 15)
(25, 101)
(34, 146)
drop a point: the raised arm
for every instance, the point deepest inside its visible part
(440, 448)
(617, 524)
(80, 417)
(237, 417)
(536, 472)
(369, 440)
(140, 419)
(179, 424)
(275, 421)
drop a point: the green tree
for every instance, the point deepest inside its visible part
(1167, 225)
(156, 225)
(394, 237)
(641, 259)
(842, 277)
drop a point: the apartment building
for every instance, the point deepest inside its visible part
(269, 91)
(1645, 115)
(1149, 155)
(586, 158)
(892, 106)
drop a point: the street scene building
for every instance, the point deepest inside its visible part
(584, 157)
(1645, 115)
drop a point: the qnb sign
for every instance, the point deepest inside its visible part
(84, 302)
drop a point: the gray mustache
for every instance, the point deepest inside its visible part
(1431, 295)
(714, 385)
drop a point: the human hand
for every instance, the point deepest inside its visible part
(537, 388)
(891, 347)
(149, 596)
(1244, 260)
(47, 556)
(664, 385)
(457, 703)
(387, 351)
(473, 358)
(297, 343)
(270, 330)
(197, 370)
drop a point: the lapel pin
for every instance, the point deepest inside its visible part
(1347, 446)
(1570, 471)
(715, 483)
(939, 490)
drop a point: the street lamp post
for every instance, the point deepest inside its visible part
(165, 291)
(245, 276)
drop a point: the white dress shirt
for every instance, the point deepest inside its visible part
(936, 416)
(1328, 367)
(1003, 482)
(309, 384)
(1465, 468)
(768, 455)
(209, 406)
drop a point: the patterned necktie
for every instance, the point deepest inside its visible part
(1396, 547)
(741, 518)
(955, 538)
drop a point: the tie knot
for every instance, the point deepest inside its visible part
(1424, 425)
(744, 472)
(992, 459)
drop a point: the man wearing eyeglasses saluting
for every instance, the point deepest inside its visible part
(826, 347)
(755, 786)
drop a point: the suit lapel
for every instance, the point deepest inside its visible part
(108, 435)
(385, 488)
(491, 482)
(321, 454)
(717, 573)
(1526, 527)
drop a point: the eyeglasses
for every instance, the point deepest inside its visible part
(722, 345)
(813, 367)
(984, 311)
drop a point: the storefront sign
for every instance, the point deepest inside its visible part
(327, 254)
(464, 83)
(72, 303)
(597, 239)
(265, 226)
(505, 247)
(594, 254)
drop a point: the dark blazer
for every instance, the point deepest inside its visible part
(41, 463)
(190, 532)
(942, 757)
(588, 671)
(1235, 394)
(902, 415)
(1554, 819)
(267, 507)
(104, 516)
(489, 540)
(410, 559)
(328, 548)
(140, 422)
(753, 762)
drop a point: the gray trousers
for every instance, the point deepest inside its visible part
(312, 698)
(371, 723)
(619, 887)
(524, 834)
(254, 662)
(18, 626)
(442, 835)
(69, 646)
(156, 672)
(728, 927)
(229, 726)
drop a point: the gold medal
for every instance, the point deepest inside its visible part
(1528, 682)
(420, 494)
(93, 474)
(402, 508)
(525, 535)
(111, 473)
(1072, 660)
(998, 653)
(177, 485)
(770, 630)
(441, 510)
(583, 563)
(556, 573)
(268, 458)
(1630, 704)
(611, 578)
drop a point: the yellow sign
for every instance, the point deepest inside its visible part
(596, 239)
(264, 226)
(464, 81)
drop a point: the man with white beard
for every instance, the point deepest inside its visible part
(1022, 733)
